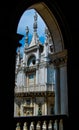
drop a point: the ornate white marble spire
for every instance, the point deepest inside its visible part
(17, 60)
(49, 41)
(18, 57)
(47, 34)
(26, 39)
(35, 36)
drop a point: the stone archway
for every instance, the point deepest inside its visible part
(59, 59)
(52, 24)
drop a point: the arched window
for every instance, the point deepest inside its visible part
(31, 61)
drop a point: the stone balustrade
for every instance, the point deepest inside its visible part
(35, 88)
(53, 122)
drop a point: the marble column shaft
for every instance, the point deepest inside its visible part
(63, 90)
(57, 90)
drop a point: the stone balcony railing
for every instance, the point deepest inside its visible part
(49, 122)
(35, 88)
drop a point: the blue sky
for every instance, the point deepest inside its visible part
(27, 19)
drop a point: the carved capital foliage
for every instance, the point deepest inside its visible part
(60, 58)
(60, 61)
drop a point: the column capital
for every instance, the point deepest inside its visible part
(59, 59)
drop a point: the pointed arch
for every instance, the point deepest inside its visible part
(60, 58)
(53, 18)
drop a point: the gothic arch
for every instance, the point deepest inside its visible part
(52, 24)
(56, 27)
(53, 18)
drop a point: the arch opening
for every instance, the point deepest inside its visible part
(48, 66)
